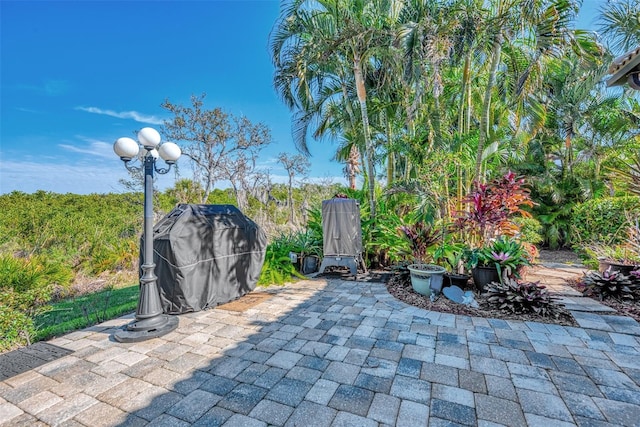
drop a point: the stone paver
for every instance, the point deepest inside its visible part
(328, 352)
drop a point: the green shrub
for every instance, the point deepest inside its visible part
(26, 285)
(530, 230)
(603, 220)
(278, 268)
(16, 328)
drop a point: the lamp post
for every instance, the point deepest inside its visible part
(150, 320)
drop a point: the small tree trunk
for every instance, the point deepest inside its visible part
(362, 98)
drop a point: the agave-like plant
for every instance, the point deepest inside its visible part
(522, 297)
(609, 284)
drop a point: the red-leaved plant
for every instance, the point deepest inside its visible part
(490, 208)
(422, 238)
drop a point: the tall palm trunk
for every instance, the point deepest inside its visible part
(362, 98)
(496, 50)
(390, 153)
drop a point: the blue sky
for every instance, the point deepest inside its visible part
(75, 76)
(78, 75)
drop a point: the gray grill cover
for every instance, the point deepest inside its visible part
(342, 234)
(206, 255)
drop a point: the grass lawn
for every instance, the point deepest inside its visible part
(80, 312)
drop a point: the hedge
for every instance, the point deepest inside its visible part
(603, 220)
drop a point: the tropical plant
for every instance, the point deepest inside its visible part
(604, 221)
(608, 284)
(306, 243)
(620, 25)
(322, 52)
(26, 286)
(492, 208)
(278, 267)
(522, 297)
(507, 255)
(422, 238)
(452, 256)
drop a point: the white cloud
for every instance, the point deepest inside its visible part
(95, 148)
(60, 178)
(98, 177)
(134, 115)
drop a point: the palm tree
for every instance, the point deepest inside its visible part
(620, 24)
(540, 29)
(329, 44)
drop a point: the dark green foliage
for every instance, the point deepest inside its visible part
(278, 268)
(522, 297)
(603, 220)
(508, 255)
(90, 233)
(26, 285)
(306, 242)
(609, 284)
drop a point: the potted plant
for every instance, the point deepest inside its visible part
(452, 256)
(623, 258)
(422, 239)
(503, 258)
(620, 253)
(307, 246)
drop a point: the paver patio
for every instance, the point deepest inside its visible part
(330, 352)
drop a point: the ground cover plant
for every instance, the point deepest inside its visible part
(614, 289)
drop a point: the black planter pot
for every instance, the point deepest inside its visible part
(309, 264)
(459, 280)
(483, 275)
(625, 269)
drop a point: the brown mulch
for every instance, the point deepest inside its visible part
(400, 288)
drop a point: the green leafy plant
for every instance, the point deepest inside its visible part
(278, 268)
(452, 256)
(626, 252)
(26, 286)
(599, 220)
(508, 255)
(306, 243)
(609, 284)
(522, 297)
(422, 239)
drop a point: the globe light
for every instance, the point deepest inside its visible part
(153, 153)
(149, 138)
(126, 148)
(170, 152)
(150, 321)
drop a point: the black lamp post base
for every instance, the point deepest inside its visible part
(134, 333)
